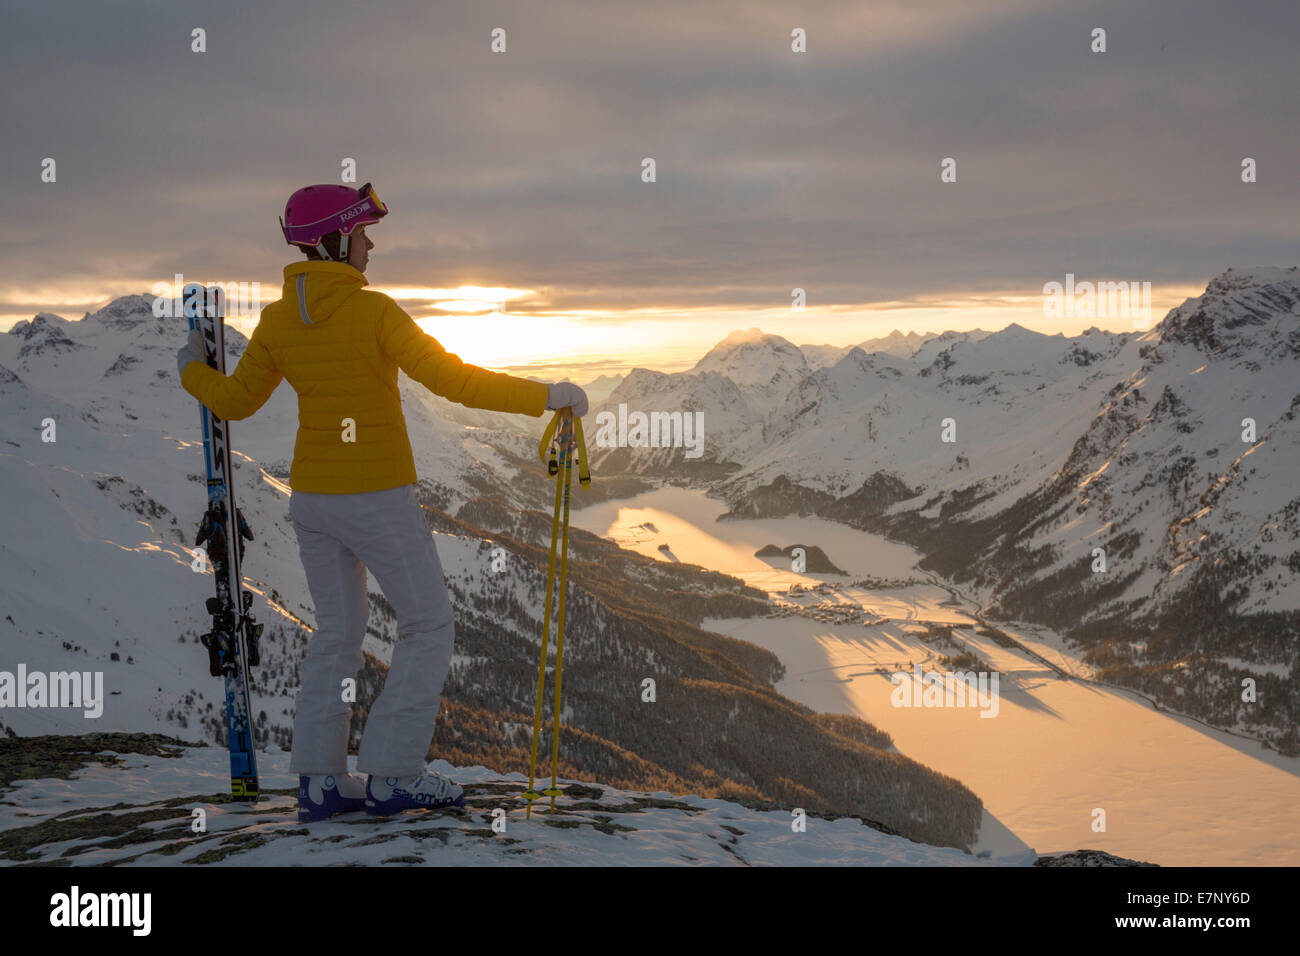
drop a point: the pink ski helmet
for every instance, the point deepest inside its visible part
(314, 212)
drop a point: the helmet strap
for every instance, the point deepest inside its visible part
(320, 248)
(343, 248)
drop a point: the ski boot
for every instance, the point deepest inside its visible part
(252, 632)
(325, 795)
(221, 652)
(426, 791)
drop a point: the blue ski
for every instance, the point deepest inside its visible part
(233, 643)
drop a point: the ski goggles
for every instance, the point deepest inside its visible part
(368, 208)
(367, 193)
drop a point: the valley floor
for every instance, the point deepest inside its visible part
(1059, 750)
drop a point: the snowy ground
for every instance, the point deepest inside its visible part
(140, 812)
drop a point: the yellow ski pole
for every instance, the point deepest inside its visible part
(566, 456)
(531, 794)
(570, 428)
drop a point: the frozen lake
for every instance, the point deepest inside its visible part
(1173, 791)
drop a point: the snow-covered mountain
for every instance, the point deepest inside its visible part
(1174, 450)
(797, 420)
(601, 387)
(766, 365)
(896, 343)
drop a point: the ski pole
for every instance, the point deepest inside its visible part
(531, 794)
(570, 433)
(566, 457)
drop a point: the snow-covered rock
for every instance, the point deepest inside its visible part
(153, 795)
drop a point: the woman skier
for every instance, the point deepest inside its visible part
(354, 503)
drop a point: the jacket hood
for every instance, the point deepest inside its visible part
(316, 290)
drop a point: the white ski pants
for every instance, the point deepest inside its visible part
(339, 537)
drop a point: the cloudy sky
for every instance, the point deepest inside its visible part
(520, 173)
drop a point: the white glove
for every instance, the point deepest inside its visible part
(192, 351)
(565, 394)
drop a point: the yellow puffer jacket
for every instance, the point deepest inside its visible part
(340, 348)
